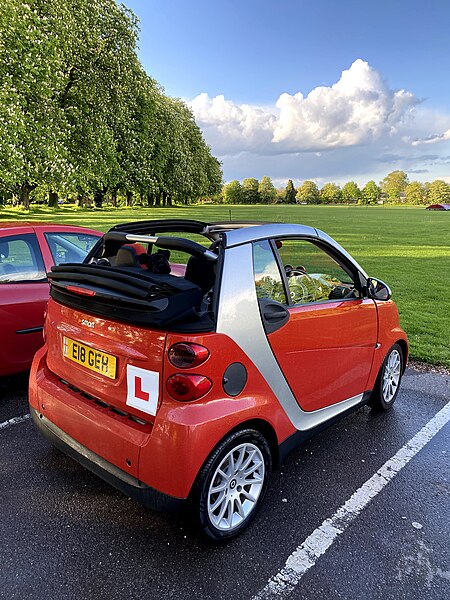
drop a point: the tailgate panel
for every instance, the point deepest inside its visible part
(135, 349)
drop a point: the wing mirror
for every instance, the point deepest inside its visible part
(378, 290)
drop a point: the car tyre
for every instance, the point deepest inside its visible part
(388, 380)
(232, 484)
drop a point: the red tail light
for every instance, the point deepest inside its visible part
(185, 388)
(185, 355)
(79, 290)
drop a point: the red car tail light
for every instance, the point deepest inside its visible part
(185, 355)
(80, 290)
(185, 388)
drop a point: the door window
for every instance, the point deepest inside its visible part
(67, 247)
(313, 275)
(268, 281)
(21, 259)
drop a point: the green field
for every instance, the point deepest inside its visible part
(407, 247)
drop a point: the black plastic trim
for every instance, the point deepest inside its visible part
(297, 438)
(121, 480)
(30, 330)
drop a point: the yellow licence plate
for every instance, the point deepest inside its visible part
(95, 360)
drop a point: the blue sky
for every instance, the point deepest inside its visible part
(330, 90)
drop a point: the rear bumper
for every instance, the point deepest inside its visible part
(121, 480)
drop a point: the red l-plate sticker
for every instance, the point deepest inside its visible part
(139, 393)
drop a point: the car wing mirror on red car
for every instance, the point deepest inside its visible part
(378, 290)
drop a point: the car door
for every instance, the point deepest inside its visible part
(23, 297)
(326, 341)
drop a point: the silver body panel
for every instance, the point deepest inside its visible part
(239, 318)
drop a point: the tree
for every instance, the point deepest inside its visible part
(415, 193)
(250, 192)
(79, 114)
(289, 193)
(267, 191)
(394, 184)
(439, 192)
(232, 192)
(330, 192)
(351, 192)
(308, 192)
(371, 193)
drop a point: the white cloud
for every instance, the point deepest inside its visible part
(358, 118)
(433, 139)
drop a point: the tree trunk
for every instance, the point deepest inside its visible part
(129, 198)
(150, 199)
(158, 199)
(52, 199)
(114, 197)
(99, 196)
(25, 189)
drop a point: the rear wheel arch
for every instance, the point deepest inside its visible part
(231, 484)
(404, 347)
(267, 430)
(260, 425)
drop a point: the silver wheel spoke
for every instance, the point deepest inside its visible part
(238, 464)
(218, 502)
(219, 488)
(223, 510)
(391, 376)
(236, 486)
(240, 508)
(248, 460)
(248, 496)
(251, 469)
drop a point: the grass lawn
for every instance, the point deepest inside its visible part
(407, 247)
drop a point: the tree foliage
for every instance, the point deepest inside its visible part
(439, 192)
(250, 193)
(394, 184)
(331, 193)
(416, 193)
(290, 193)
(79, 114)
(370, 193)
(351, 192)
(232, 192)
(308, 192)
(267, 191)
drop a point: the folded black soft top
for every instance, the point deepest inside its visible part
(130, 294)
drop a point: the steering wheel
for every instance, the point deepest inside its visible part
(293, 271)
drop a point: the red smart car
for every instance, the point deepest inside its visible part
(189, 383)
(27, 252)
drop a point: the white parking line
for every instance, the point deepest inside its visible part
(306, 555)
(14, 421)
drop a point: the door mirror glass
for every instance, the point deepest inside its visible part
(378, 290)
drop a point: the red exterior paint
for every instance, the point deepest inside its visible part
(326, 350)
(389, 332)
(22, 305)
(168, 452)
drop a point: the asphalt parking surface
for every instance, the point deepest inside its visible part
(64, 533)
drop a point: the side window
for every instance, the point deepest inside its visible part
(268, 281)
(21, 259)
(312, 274)
(69, 247)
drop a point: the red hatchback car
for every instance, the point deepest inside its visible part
(27, 252)
(189, 383)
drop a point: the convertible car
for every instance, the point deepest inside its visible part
(184, 360)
